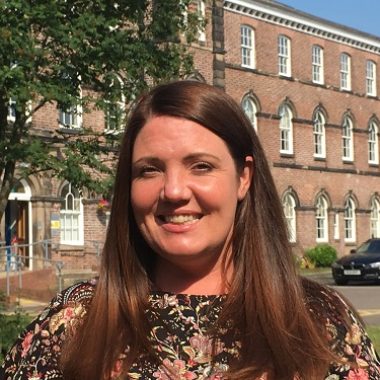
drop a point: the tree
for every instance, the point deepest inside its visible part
(52, 51)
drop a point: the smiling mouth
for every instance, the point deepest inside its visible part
(179, 219)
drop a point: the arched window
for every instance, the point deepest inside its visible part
(373, 143)
(375, 218)
(319, 135)
(289, 205)
(349, 221)
(250, 109)
(321, 219)
(347, 140)
(71, 215)
(286, 130)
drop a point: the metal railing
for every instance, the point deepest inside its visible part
(13, 262)
(23, 259)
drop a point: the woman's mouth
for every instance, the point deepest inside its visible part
(179, 219)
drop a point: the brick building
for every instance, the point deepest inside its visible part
(309, 87)
(311, 90)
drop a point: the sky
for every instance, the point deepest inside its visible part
(359, 14)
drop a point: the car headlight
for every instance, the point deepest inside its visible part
(375, 265)
(337, 266)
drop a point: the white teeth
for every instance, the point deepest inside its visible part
(180, 219)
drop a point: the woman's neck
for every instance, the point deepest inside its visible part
(176, 279)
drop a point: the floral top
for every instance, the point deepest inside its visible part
(179, 324)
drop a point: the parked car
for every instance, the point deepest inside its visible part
(363, 264)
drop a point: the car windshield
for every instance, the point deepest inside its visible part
(370, 247)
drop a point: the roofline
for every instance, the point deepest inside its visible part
(280, 14)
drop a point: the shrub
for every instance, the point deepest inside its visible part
(323, 255)
(11, 325)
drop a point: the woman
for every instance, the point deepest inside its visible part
(197, 278)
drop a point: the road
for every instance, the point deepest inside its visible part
(364, 297)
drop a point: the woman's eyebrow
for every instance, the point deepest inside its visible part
(147, 159)
(201, 155)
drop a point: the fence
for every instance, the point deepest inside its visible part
(38, 276)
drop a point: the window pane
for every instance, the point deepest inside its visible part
(70, 215)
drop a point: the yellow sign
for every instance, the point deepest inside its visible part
(55, 224)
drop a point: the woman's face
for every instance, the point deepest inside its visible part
(185, 189)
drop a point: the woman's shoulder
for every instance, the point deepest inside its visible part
(326, 301)
(81, 292)
(345, 331)
(38, 347)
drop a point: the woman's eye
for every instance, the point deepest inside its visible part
(202, 167)
(147, 171)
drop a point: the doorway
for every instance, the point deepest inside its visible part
(18, 226)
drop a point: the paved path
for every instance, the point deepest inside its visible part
(28, 306)
(364, 297)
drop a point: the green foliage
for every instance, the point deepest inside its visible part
(303, 262)
(374, 334)
(52, 51)
(322, 255)
(11, 326)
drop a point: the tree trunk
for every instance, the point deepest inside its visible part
(6, 186)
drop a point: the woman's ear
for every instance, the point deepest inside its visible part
(245, 177)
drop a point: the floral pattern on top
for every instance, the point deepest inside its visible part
(179, 325)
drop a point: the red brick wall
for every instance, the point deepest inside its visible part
(304, 174)
(271, 91)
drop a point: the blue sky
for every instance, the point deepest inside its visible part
(359, 14)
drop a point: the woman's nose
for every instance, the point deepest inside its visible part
(175, 187)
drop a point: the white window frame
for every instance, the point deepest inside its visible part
(247, 43)
(201, 11)
(286, 129)
(347, 140)
(71, 118)
(336, 226)
(115, 110)
(72, 218)
(289, 207)
(250, 110)
(349, 221)
(284, 56)
(345, 72)
(319, 135)
(113, 124)
(317, 64)
(373, 143)
(370, 77)
(321, 220)
(375, 219)
(11, 116)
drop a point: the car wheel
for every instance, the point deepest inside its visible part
(341, 281)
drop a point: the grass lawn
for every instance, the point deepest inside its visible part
(374, 333)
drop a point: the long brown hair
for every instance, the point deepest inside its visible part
(267, 301)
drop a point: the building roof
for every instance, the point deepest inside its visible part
(278, 13)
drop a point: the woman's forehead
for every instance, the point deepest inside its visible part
(165, 135)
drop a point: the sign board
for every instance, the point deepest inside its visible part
(55, 224)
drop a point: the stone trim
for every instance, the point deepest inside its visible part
(291, 18)
(324, 169)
